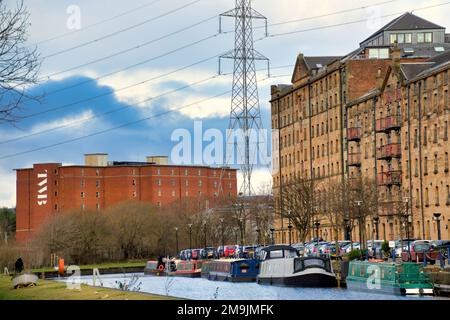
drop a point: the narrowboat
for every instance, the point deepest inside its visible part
(281, 265)
(155, 268)
(233, 270)
(190, 269)
(388, 278)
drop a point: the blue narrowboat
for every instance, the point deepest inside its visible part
(233, 270)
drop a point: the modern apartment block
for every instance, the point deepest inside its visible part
(49, 189)
(379, 112)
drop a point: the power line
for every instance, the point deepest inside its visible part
(111, 73)
(329, 14)
(119, 126)
(99, 115)
(139, 46)
(68, 125)
(121, 30)
(87, 27)
(347, 23)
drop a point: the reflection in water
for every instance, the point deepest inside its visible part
(202, 289)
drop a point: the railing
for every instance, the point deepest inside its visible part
(354, 159)
(388, 123)
(393, 177)
(354, 134)
(392, 150)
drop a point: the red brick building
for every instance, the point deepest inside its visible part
(51, 188)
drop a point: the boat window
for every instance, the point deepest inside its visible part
(362, 271)
(276, 254)
(290, 254)
(313, 262)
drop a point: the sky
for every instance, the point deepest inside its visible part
(88, 87)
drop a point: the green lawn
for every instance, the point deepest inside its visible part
(100, 266)
(53, 290)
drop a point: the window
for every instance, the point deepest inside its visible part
(379, 53)
(435, 164)
(185, 172)
(446, 162)
(199, 172)
(425, 166)
(159, 193)
(428, 37)
(97, 206)
(82, 194)
(173, 193)
(158, 172)
(97, 172)
(436, 196)
(427, 200)
(82, 183)
(97, 183)
(158, 182)
(200, 183)
(134, 182)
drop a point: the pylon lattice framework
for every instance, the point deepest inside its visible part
(245, 111)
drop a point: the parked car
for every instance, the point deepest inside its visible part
(248, 252)
(196, 254)
(220, 251)
(209, 253)
(418, 249)
(300, 247)
(348, 247)
(399, 248)
(229, 251)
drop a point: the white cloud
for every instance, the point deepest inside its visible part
(7, 188)
(261, 180)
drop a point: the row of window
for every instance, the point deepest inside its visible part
(426, 199)
(400, 38)
(426, 160)
(435, 135)
(320, 172)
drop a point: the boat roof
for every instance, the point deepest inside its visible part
(278, 247)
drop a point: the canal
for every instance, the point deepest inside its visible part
(202, 289)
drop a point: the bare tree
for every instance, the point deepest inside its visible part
(19, 64)
(301, 204)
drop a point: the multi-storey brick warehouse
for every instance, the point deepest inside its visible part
(349, 117)
(50, 188)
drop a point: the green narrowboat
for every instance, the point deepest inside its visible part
(388, 278)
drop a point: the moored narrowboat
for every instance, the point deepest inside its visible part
(233, 270)
(190, 269)
(388, 278)
(155, 268)
(282, 266)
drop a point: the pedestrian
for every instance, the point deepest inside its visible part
(19, 265)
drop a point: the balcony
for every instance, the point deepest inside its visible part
(389, 178)
(388, 123)
(354, 134)
(354, 159)
(388, 208)
(391, 150)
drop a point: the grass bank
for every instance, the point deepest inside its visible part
(100, 266)
(53, 290)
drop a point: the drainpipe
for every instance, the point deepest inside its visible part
(280, 170)
(408, 104)
(419, 98)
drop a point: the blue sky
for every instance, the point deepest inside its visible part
(152, 137)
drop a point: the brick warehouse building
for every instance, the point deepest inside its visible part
(324, 126)
(50, 188)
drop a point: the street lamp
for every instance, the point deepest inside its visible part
(223, 245)
(290, 228)
(204, 225)
(407, 222)
(438, 224)
(347, 229)
(359, 202)
(317, 224)
(376, 222)
(272, 231)
(190, 236)
(176, 239)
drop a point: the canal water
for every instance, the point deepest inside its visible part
(202, 289)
